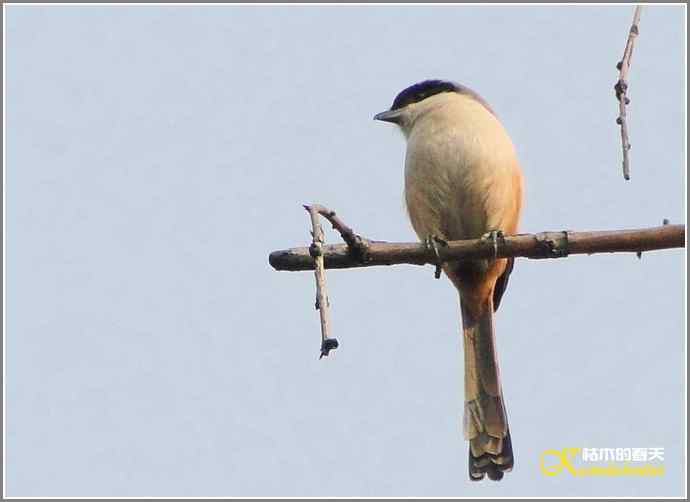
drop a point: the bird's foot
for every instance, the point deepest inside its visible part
(494, 236)
(432, 242)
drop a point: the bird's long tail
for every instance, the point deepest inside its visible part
(485, 421)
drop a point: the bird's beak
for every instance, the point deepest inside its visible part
(389, 116)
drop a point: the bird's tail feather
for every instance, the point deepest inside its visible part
(485, 420)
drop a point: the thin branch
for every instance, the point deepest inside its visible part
(621, 89)
(316, 257)
(541, 245)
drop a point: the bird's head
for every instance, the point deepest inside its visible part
(418, 98)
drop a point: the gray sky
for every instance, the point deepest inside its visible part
(156, 155)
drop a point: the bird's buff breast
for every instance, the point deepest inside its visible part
(459, 181)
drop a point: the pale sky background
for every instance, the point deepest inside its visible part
(157, 155)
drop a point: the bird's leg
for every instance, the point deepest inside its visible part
(432, 242)
(494, 236)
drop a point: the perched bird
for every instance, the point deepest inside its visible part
(463, 181)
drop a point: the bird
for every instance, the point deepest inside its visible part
(463, 181)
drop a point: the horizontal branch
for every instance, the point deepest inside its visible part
(542, 245)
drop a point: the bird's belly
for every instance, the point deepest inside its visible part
(456, 197)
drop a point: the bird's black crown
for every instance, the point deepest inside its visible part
(418, 92)
(422, 90)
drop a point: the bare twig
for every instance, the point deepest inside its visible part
(541, 245)
(621, 89)
(316, 255)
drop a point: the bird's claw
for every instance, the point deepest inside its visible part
(494, 236)
(432, 242)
